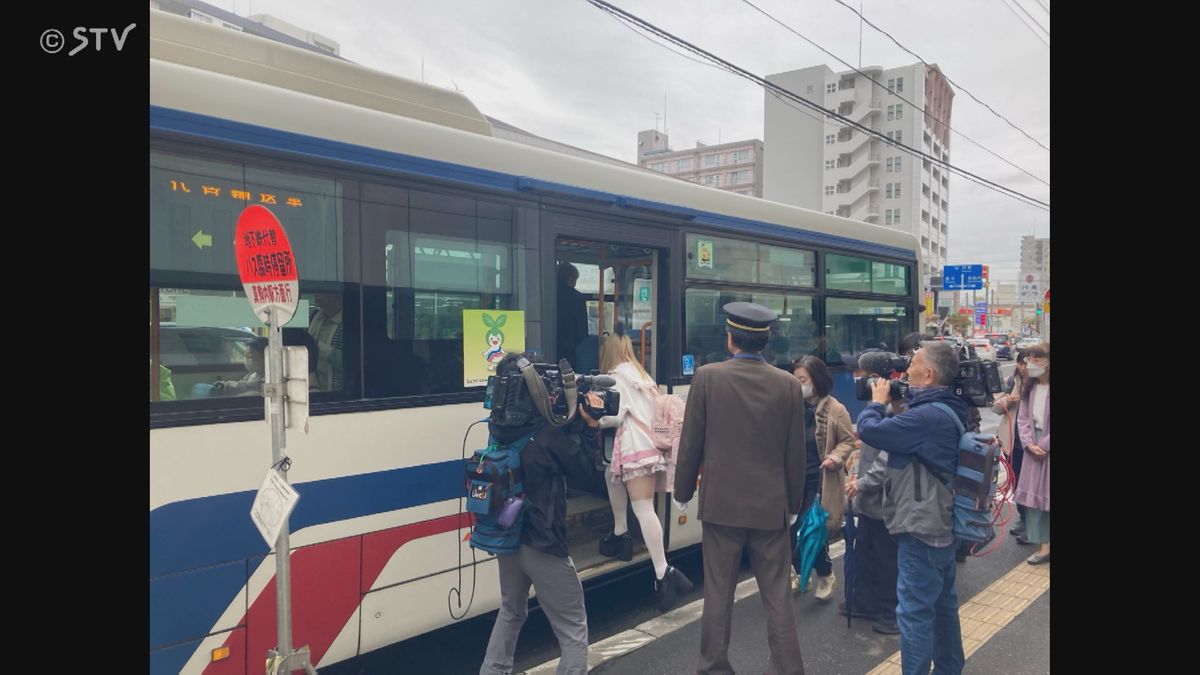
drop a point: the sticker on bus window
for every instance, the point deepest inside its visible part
(487, 336)
(689, 364)
(704, 254)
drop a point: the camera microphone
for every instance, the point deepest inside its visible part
(603, 381)
(879, 363)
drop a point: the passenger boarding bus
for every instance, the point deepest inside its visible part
(405, 215)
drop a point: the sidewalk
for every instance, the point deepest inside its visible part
(1004, 610)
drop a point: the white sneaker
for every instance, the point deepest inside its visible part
(825, 586)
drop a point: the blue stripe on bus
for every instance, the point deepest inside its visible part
(216, 129)
(199, 595)
(213, 530)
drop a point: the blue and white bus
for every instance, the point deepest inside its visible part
(404, 211)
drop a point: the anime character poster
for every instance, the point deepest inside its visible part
(489, 334)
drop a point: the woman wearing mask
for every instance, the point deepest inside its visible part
(1010, 440)
(830, 440)
(638, 469)
(1033, 425)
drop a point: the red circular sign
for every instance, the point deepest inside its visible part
(266, 264)
(1029, 278)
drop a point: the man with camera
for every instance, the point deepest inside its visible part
(744, 425)
(918, 509)
(543, 560)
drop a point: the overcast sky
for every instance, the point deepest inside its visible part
(565, 70)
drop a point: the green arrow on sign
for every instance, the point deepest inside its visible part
(201, 240)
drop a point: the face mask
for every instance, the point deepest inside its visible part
(808, 390)
(1035, 371)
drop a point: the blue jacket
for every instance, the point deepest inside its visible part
(923, 430)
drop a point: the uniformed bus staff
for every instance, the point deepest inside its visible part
(744, 430)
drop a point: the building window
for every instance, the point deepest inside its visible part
(712, 160)
(830, 88)
(924, 216)
(899, 111)
(829, 164)
(898, 165)
(899, 136)
(714, 180)
(890, 137)
(829, 189)
(887, 216)
(685, 164)
(742, 177)
(892, 85)
(896, 217)
(891, 110)
(739, 156)
(899, 84)
(830, 139)
(888, 190)
(657, 166)
(889, 164)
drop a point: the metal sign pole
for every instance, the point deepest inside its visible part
(274, 391)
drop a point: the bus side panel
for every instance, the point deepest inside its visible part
(175, 660)
(401, 554)
(202, 592)
(843, 391)
(390, 615)
(325, 582)
(689, 532)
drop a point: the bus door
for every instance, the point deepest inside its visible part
(601, 289)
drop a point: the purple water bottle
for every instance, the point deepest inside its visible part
(510, 511)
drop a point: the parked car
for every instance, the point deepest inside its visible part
(983, 348)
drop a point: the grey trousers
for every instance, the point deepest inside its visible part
(561, 597)
(770, 558)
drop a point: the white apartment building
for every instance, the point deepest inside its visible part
(821, 163)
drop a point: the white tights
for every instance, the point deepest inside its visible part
(639, 491)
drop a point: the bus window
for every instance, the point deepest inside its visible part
(792, 336)
(855, 325)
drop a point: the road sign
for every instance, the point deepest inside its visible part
(266, 264)
(962, 277)
(981, 313)
(1030, 291)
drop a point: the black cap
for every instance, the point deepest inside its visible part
(749, 316)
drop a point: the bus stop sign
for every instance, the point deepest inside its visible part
(266, 264)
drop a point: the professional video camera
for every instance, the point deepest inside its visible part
(881, 364)
(976, 381)
(516, 398)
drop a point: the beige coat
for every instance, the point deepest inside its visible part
(1009, 424)
(744, 429)
(835, 440)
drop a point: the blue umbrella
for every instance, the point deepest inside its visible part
(849, 570)
(810, 538)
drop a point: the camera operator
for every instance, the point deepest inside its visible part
(543, 559)
(910, 344)
(922, 438)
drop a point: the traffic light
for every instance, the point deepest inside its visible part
(1039, 310)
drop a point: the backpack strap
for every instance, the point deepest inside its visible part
(961, 431)
(541, 398)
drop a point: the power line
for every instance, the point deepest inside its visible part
(914, 105)
(741, 72)
(964, 89)
(1043, 5)
(626, 24)
(1031, 18)
(1025, 23)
